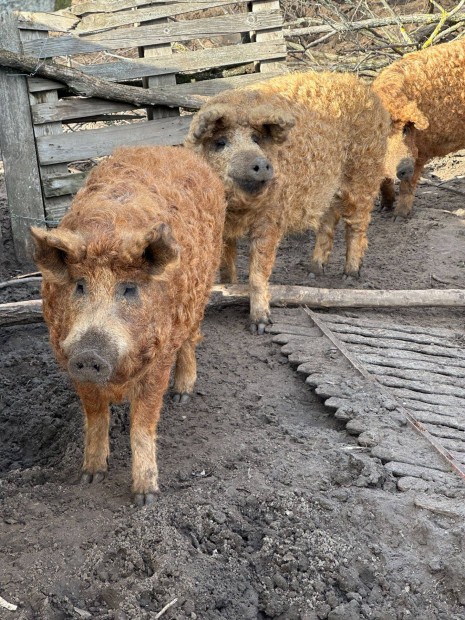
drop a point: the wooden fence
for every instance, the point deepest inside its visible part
(196, 48)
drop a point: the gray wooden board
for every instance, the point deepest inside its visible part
(99, 142)
(22, 175)
(154, 35)
(106, 21)
(424, 371)
(189, 61)
(336, 319)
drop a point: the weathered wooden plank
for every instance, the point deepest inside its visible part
(199, 60)
(423, 387)
(336, 319)
(432, 399)
(98, 22)
(112, 6)
(431, 378)
(98, 142)
(419, 338)
(159, 81)
(22, 177)
(440, 505)
(209, 88)
(155, 35)
(57, 207)
(296, 330)
(75, 108)
(425, 473)
(449, 414)
(376, 343)
(58, 22)
(61, 185)
(393, 363)
(80, 108)
(275, 34)
(402, 454)
(439, 430)
(37, 84)
(45, 97)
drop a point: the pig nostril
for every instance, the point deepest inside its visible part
(80, 366)
(97, 367)
(256, 168)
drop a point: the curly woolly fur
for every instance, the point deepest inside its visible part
(427, 90)
(325, 135)
(153, 217)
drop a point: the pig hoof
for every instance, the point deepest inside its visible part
(317, 268)
(144, 499)
(259, 327)
(181, 398)
(87, 477)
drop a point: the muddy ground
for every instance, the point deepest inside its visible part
(265, 512)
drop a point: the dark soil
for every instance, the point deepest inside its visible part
(265, 512)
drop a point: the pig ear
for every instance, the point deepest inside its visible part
(161, 249)
(207, 121)
(273, 121)
(55, 249)
(412, 114)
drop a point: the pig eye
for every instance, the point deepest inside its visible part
(220, 143)
(256, 138)
(80, 289)
(406, 129)
(128, 291)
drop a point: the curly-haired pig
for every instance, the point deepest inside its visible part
(295, 153)
(126, 276)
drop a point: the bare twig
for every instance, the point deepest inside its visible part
(165, 608)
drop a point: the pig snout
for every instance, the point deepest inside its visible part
(251, 172)
(92, 359)
(405, 170)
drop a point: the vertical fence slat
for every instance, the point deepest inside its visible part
(22, 177)
(45, 129)
(268, 66)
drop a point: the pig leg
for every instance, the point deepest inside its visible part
(324, 238)
(388, 194)
(264, 240)
(357, 215)
(407, 191)
(145, 413)
(185, 374)
(228, 271)
(97, 424)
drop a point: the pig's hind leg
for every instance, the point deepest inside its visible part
(97, 446)
(185, 374)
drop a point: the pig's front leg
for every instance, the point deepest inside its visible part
(97, 423)
(264, 240)
(145, 413)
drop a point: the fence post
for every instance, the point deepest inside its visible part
(22, 177)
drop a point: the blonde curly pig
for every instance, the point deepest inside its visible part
(424, 93)
(295, 153)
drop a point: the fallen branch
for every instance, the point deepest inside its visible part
(282, 295)
(23, 280)
(222, 295)
(370, 24)
(81, 84)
